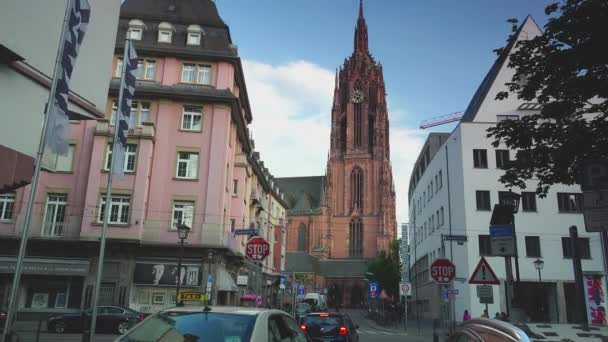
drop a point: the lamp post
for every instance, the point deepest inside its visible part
(182, 234)
(538, 264)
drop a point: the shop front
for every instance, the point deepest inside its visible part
(50, 285)
(155, 283)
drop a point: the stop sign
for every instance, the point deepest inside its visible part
(443, 271)
(257, 248)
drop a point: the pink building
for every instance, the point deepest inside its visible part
(189, 160)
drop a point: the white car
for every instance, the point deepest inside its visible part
(216, 324)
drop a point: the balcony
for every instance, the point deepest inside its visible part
(255, 197)
(48, 230)
(146, 130)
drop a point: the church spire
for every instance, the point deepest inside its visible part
(361, 31)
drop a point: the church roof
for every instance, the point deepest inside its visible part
(303, 194)
(484, 88)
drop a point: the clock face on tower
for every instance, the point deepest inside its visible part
(357, 97)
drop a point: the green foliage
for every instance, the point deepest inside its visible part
(386, 268)
(566, 70)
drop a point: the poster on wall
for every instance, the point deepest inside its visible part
(165, 274)
(40, 300)
(595, 298)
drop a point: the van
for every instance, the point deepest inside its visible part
(316, 301)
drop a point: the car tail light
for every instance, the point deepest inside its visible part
(324, 315)
(2, 315)
(303, 328)
(343, 330)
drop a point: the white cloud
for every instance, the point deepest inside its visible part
(291, 106)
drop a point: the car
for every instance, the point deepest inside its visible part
(2, 318)
(302, 309)
(487, 330)
(334, 326)
(111, 319)
(217, 324)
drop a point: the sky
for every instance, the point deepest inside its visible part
(434, 54)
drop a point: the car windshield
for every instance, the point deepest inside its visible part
(323, 320)
(193, 326)
(303, 307)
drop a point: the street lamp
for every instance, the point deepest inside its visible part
(182, 234)
(538, 264)
(209, 282)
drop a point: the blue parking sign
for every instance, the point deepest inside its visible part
(301, 290)
(373, 290)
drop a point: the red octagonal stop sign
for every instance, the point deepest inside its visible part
(443, 271)
(257, 248)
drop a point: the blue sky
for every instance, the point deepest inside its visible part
(434, 55)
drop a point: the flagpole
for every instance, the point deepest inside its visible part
(34, 186)
(106, 216)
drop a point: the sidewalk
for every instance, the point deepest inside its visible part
(426, 327)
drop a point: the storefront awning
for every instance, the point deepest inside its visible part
(47, 266)
(225, 281)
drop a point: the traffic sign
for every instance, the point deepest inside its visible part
(257, 248)
(443, 271)
(483, 274)
(485, 294)
(457, 238)
(301, 290)
(373, 290)
(502, 239)
(245, 231)
(405, 289)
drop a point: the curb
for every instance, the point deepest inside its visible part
(375, 326)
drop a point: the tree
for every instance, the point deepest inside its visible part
(566, 71)
(386, 268)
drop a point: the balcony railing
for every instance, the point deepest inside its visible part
(146, 129)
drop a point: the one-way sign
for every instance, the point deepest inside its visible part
(483, 274)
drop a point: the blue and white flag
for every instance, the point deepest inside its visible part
(58, 125)
(123, 114)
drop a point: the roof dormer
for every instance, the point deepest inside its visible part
(165, 32)
(136, 29)
(194, 35)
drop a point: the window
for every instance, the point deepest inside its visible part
(502, 159)
(480, 159)
(130, 158)
(196, 73)
(59, 162)
(140, 112)
(483, 199)
(583, 248)
(119, 209)
(528, 201)
(437, 219)
(533, 246)
(164, 36)
(232, 225)
(135, 33)
(192, 118)
(187, 165)
(183, 211)
(569, 203)
(436, 183)
(501, 197)
(235, 186)
(146, 69)
(500, 118)
(356, 186)
(194, 38)
(7, 206)
(442, 217)
(355, 248)
(302, 238)
(430, 191)
(440, 180)
(54, 216)
(118, 70)
(485, 248)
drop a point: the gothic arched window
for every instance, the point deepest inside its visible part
(343, 130)
(373, 96)
(355, 249)
(302, 238)
(356, 187)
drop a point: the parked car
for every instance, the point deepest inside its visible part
(111, 319)
(217, 324)
(330, 327)
(302, 309)
(487, 330)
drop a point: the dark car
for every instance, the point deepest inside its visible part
(330, 327)
(110, 319)
(2, 318)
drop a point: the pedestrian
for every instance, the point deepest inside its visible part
(466, 316)
(485, 314)
(497, 316)
(503, 316)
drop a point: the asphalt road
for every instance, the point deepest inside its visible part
(370, 333)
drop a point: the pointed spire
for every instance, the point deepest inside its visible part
(361, 31)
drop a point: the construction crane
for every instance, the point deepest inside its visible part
(441, 120)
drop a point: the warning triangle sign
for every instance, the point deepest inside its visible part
(483, 274)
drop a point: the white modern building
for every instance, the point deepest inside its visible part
(453, 189)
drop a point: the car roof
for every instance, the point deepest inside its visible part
(504, 327)
(224, 309)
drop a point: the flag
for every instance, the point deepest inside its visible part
(123, 119)
(58, 126)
